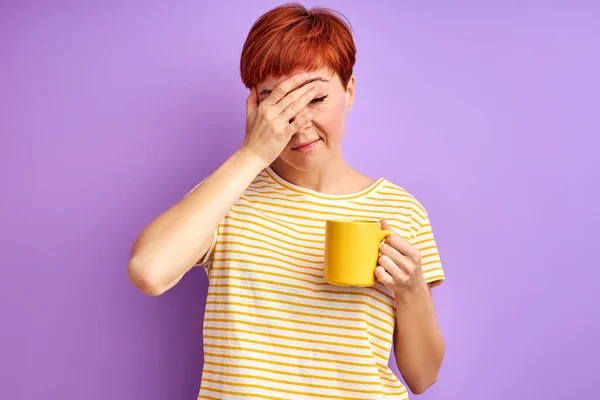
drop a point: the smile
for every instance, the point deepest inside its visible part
(306, 147)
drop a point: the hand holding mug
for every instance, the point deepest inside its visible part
(399, 266)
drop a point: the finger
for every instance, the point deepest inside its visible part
(384, 225)
(296, 106)
(252, 101)
(400, 260)
(383, 277)
(295, 96)
(281, 90)
(303, 118)
(402, 245)
(391, 268)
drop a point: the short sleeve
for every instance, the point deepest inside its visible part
(424, 241)
(207, 259)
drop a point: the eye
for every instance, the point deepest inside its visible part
(318, 99)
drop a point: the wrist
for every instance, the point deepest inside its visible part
(250, 160)
(415, 293)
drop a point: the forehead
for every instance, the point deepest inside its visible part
(271, 81)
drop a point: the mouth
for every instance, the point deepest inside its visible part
(306, 146)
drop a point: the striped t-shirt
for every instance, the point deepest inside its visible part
(273, 328)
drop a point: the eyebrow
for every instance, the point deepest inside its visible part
(268, 91)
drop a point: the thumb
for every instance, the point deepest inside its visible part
(384, 225)
(252, 101)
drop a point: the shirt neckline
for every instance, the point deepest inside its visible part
(309, 192)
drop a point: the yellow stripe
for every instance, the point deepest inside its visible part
(270, 237)
(269, 228)
(264, 180)
(399, 228)
(391, 196)
(384, 348)
(309, 376)
(269, 335)
(263, 256)
(365, 294)
(437, 260)
(262, 396)
(309, 367)
(385, 369)
(416, 244)
(229, 234)
(268, 187)
(436, 254)
(241, 244)
(278, 221)
(295, 312)
(396, 188)
(434, 278)
(282, 328)
(427, 248)
(325, 205)
(234, 312)
(335, 326)
(279, 354)
(295, 217)
(303, 304)
(303, 296)
(403, 193)
(328, 334)
(379, 204)
(204, 396)
(271, 389)
(286, 346)
(278, 191)
(326, 213)
(253, 296)
(374, 186)
(277, 398)
(262, 272)
(320, 220)
(303, 384)
(375, 288)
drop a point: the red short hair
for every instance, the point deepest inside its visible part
(290, 38)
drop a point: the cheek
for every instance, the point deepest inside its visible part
(330, 121)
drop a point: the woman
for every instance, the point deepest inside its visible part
(273, 329)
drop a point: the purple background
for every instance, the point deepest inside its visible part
(111, 111)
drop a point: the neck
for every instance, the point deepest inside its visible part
(328, 179)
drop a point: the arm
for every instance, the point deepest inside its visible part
(418, 342)
(172, 244)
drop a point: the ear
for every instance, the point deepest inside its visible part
(350, 92)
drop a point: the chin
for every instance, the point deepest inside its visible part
(303, 162)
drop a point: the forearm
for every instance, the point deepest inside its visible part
(419, 346)
(171, 244)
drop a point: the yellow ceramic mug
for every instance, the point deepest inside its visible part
(352, 251)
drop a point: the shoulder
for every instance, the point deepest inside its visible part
(389, 192)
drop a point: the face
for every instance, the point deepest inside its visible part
(317, 143)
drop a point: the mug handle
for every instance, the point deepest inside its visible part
(384, 234)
